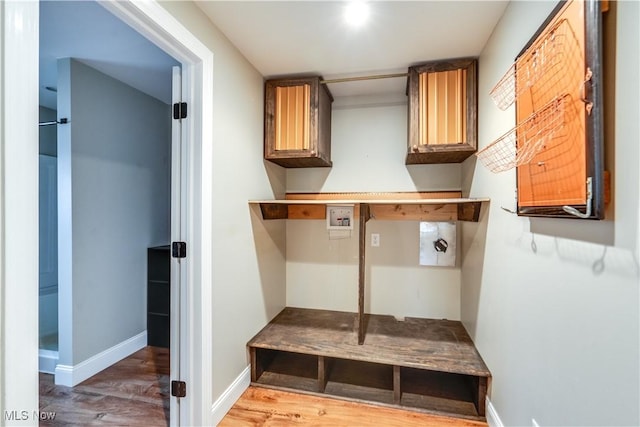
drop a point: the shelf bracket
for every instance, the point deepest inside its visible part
(274, 211)
(469, 211)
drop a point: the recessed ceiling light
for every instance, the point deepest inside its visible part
(356, 13)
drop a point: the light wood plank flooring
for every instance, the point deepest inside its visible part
(269, 408)
(133, 392)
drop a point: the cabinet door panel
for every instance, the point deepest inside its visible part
(553, 70)
(292, 117)
(558, 87)
(298, 122)
(442, 111)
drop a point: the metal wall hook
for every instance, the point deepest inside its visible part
(583, 97)
(508, 210)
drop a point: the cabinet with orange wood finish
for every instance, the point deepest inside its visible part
(297, 129)
(442, 111)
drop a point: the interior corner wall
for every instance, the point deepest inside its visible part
(114, 203)
(248, 253)
(553, 310)
(368, 149)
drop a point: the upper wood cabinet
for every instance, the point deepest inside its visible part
(298, 122)
(443, 111)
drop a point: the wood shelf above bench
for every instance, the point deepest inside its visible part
(422, 364)
(415, 206)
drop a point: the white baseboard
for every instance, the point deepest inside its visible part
(226, 400)
(47, 361)
(493, 419)
(73, 375)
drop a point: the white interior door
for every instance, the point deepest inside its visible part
(178, 345)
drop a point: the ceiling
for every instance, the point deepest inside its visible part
(311, 37)
(278, 38)
(86, 31)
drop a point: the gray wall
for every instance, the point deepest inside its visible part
(560, 337)
(368, 149)
(113, 185)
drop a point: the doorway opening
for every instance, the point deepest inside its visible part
(175, 217)
(20, 174)
(105, 193)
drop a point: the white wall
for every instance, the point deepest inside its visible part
(368, 149)
(560, 337)
(248, 253)
(113, 184)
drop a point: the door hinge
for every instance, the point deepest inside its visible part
(179, 249)
(180, 110)
(178, 388)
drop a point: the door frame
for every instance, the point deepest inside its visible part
(19, 26)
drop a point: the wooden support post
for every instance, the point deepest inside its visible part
(364, 217)
(397, 394)
(256, 370)
(480, 394)
(323, 373)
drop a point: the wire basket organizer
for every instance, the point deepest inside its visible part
(540, 66)
(547, 79)
(520, 144)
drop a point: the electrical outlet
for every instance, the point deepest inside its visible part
(375, 240)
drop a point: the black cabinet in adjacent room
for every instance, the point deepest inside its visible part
(158, 295)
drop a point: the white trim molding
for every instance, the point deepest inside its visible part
(72, 375)
(159, 26)
(493, 419)
(226, 400)
(19, 207)
(47, 361)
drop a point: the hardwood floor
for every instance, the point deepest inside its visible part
(133, 392)
(269, 408)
